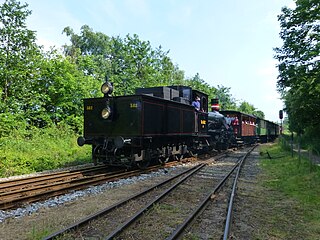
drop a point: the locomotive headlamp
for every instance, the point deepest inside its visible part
(107, 88)
(105, 113)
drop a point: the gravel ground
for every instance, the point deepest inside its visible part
(254, 212)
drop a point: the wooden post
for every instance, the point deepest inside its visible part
(292, 144)
(299, 147)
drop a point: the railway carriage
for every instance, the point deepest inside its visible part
(243, 125)
(267, 130)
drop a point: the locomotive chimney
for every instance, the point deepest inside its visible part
(215, 104)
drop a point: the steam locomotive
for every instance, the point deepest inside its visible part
(156, 124)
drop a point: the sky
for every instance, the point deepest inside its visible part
(229, 43)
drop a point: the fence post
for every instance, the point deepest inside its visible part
(299, 147)
(292, 144)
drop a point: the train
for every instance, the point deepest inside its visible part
(159, 124)
(248, 128)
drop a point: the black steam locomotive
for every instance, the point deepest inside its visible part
(156, 124)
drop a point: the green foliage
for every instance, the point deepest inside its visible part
(299, 66)
(128, 62)
(227, 102)
(40, 149)
(37, 233)
(199, 84)
(10, 123)
(64, 87)
(259, 114)
(250, 109)
(246, 108)
(18, 56)
(38, 88)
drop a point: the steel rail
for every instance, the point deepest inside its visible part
(148, 206)
(119, 204)
(201, 206)
(231, 200)
(30, 179)
(22, 187)
(59, 181)
(177, 233)
(12, 199)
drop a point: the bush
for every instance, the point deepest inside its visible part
(10, 123)
(36, 150)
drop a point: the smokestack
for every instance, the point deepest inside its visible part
(215, 104)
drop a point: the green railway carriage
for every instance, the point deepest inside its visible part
(266, 130)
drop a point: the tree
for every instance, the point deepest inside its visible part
(128, 62)
(246, 107)
(63, 88)
(299, 65)
(259, 114)
(18, 55)
(37, 88)
(227, 102)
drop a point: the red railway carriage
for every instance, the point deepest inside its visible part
(244, 125)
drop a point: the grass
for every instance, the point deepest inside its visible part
(38, 234)
(295, 184)
(40, 149)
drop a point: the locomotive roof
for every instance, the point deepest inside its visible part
(261, 119)
(145, 96)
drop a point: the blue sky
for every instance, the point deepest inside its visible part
(229, 42)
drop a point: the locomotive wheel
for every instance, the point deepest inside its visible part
(179, 157)
(163, 160)
(93, 157)
(96, 154)
(143, 164)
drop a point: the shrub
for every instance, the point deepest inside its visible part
(36, 150)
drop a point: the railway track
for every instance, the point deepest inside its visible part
(17, 192)
(164, 211)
